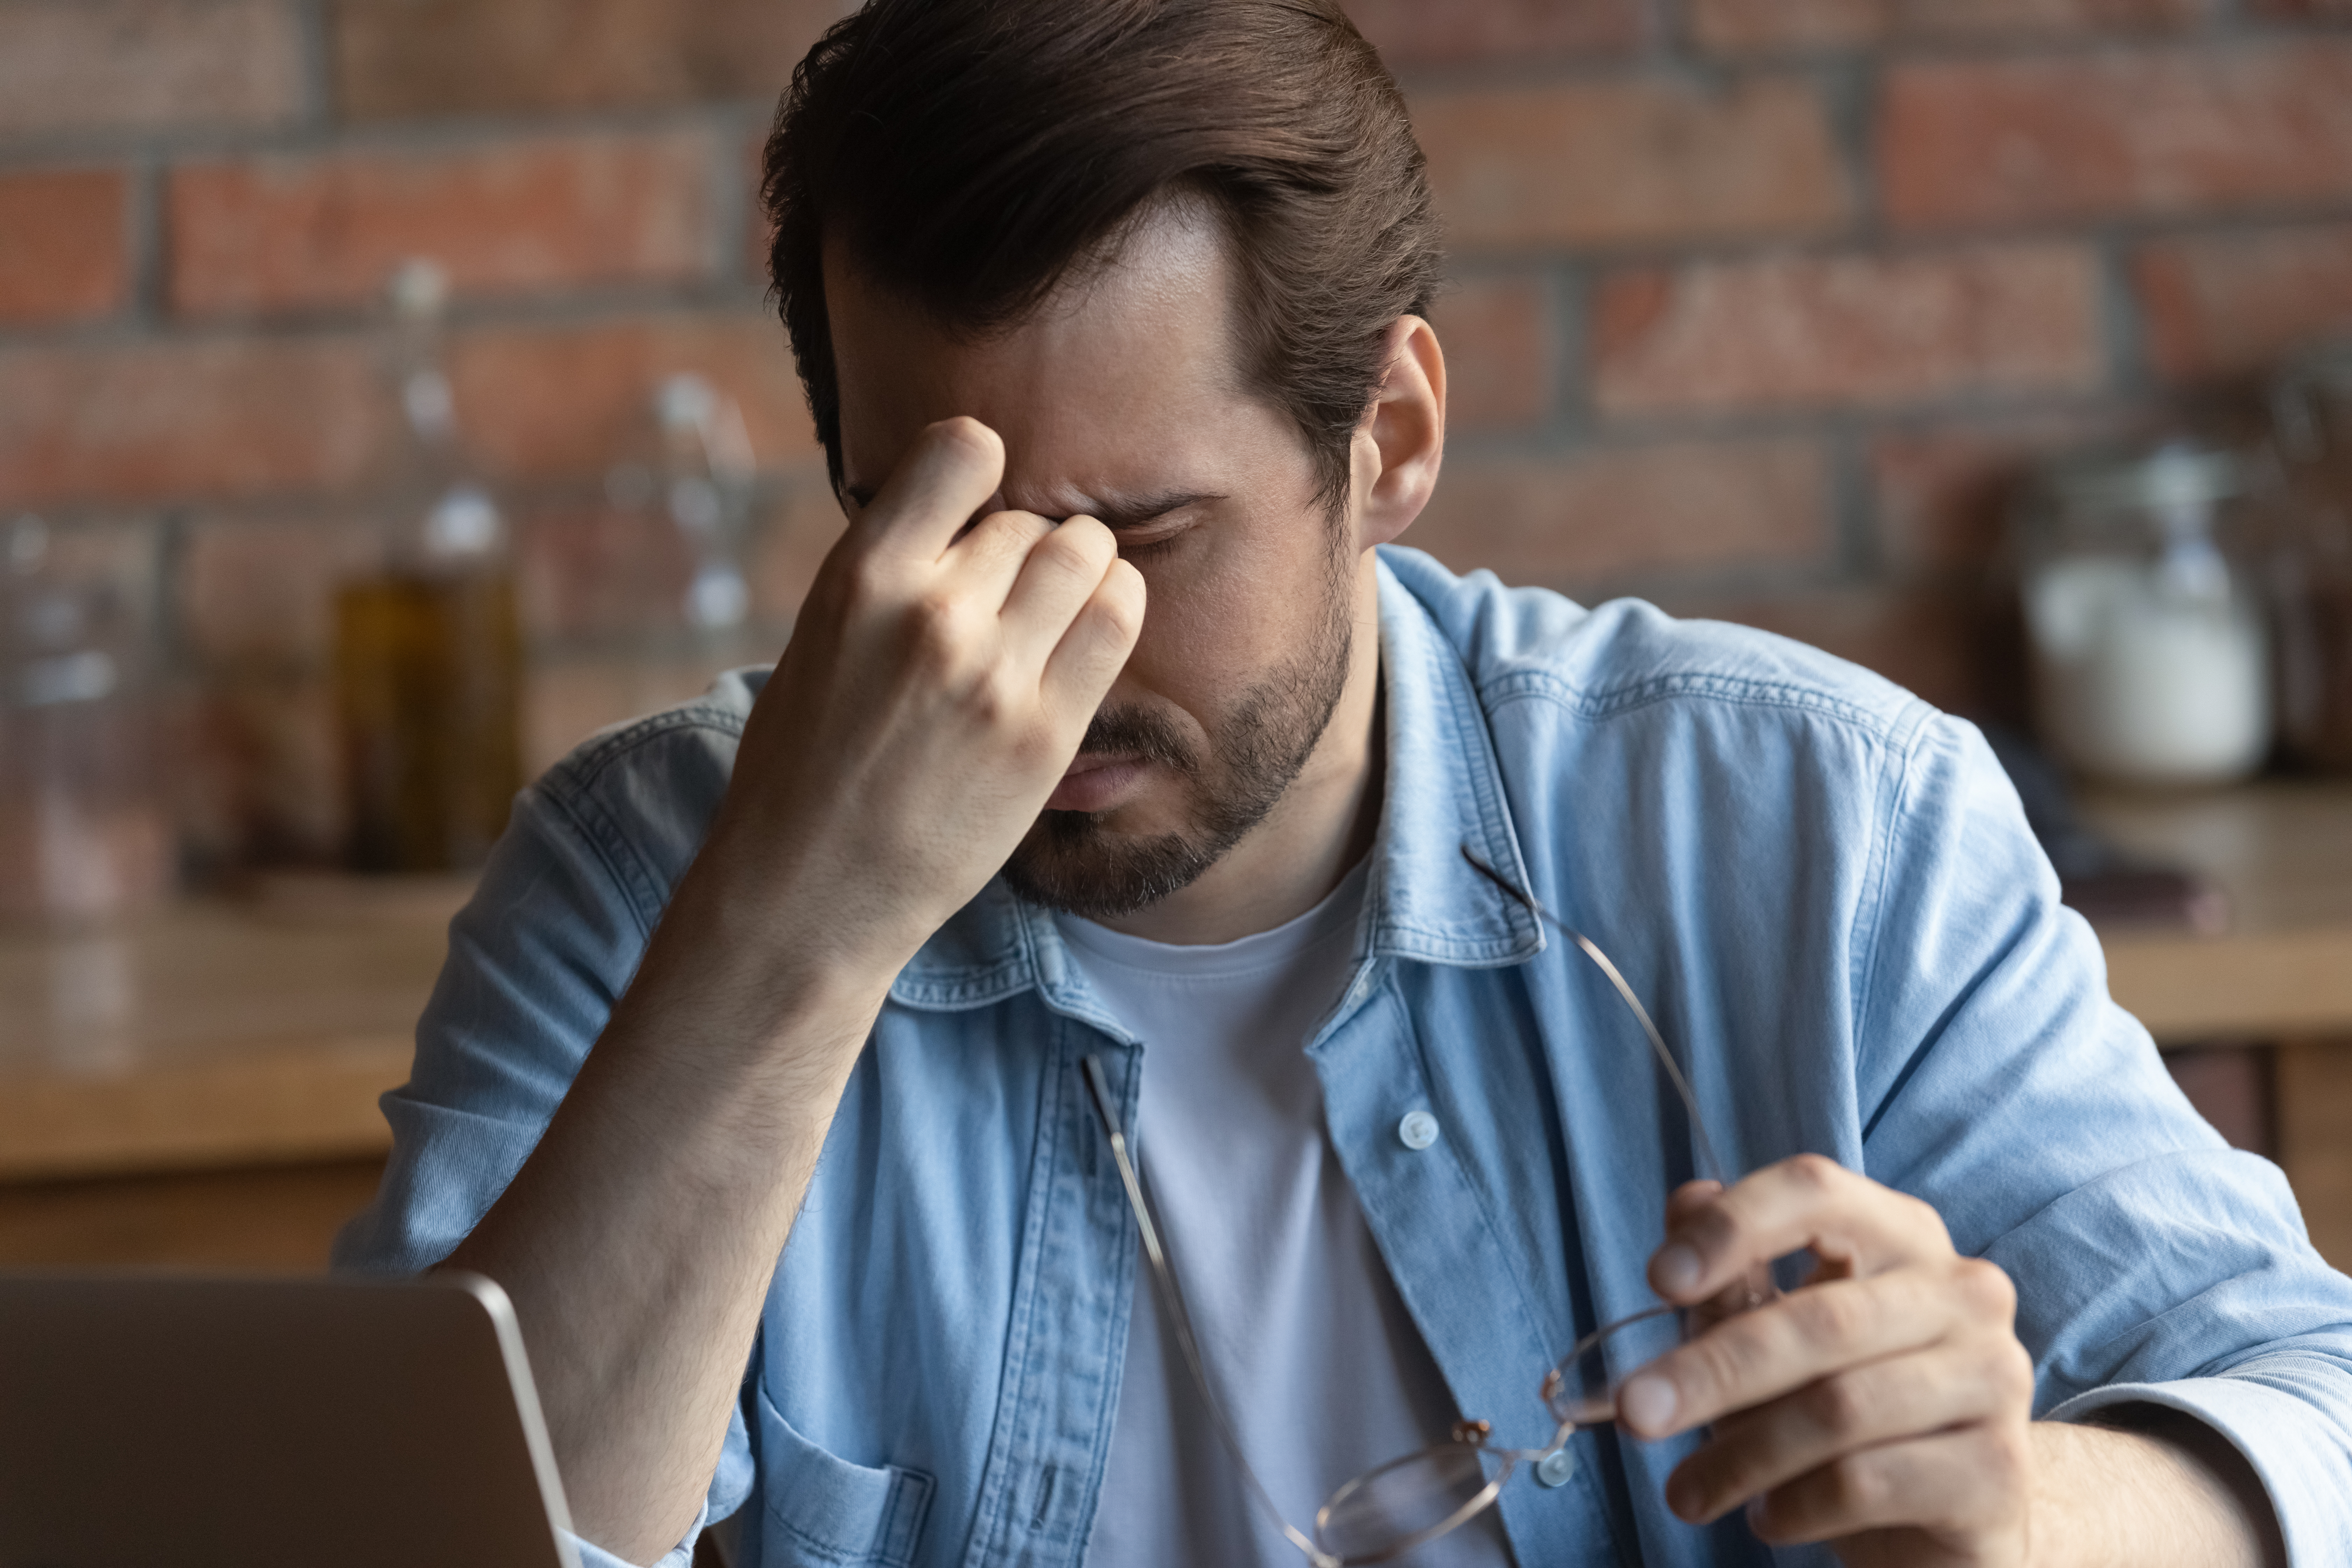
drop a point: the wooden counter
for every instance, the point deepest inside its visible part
(217, 1034)
(2282, 850)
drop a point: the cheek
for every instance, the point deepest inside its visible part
(1208, 636)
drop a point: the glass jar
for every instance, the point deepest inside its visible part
(2311, 576)
(2149, 637)
(85, 834)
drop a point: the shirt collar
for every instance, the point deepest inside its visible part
(1444, 791)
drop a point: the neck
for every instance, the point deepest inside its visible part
(1322, 825)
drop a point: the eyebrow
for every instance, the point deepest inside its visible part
(1123, 512)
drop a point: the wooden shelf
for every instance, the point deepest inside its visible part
(217, 1034)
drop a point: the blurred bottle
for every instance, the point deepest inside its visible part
(2149, 643)
(428, 651)
(2312, 567)
(84, 832)
(709, 472)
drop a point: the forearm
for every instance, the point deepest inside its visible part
(2153, 1491)
(638, 1239)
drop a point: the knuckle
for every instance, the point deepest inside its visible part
(2013, 1372)
(1859, 1487)
(1926, 1220)
(1838, 1405)
(1828, 1317)
(934, 631)
(1986, 1287)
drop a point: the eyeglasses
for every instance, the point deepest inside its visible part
(1409, 1501)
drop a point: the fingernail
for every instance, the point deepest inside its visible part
(1677, 1268)
(1646, 1403)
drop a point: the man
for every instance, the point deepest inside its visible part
(1109, 739)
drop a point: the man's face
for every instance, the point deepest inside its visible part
(1120, 399)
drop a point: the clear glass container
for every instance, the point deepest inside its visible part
(2149, 642)
(428, 649)
(2311, 572)
(85, 831)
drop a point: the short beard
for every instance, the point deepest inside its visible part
(1070, 861)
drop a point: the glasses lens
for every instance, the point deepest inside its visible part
(1582, 1391)
(1408, 1500)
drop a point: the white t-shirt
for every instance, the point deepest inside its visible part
(1312, 1353)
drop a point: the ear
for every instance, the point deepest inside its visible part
(1401, 441)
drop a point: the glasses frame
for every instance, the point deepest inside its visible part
(1470, 1433)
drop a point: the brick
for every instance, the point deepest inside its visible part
(1410, 33)
(2118, 132)
(1623, 161)
(599, 570)
(283, 232)
(569, 697)
(1942, 492)
(1773, 24)
(1847, 329)
(163, 421)
(1927, 638)
(395, 58)
(2232, 304)
(540, 401)
(63, 257)
(259, 593)
(1501, 346)
(84, 65)
(1603, 515)
(800, 530)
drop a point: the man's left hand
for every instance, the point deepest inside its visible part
(1883, 1407)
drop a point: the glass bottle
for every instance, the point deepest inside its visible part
(2312, 567)
(2149, 644)
(428, 650)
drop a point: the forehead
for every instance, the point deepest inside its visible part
(1125, 378)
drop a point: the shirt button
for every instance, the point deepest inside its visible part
(1418, 1131)
(1555, 1468)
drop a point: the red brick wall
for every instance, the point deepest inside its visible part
(1759, 301)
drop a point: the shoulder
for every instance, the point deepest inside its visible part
(1627, 662)
(640, 794)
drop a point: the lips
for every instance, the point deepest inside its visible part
(1096, 783)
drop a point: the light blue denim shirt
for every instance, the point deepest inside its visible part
(1824, 891)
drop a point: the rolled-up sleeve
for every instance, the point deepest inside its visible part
(1999, 1080)
(537, 959)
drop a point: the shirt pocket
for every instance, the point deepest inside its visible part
(825, 1513)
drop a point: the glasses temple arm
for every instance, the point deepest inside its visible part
(1713, 1168)
(1098, 1091)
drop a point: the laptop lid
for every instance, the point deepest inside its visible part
(151, 1420)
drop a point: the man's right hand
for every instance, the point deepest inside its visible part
(937, 687)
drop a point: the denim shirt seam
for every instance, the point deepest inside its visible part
(1861, 938)
(1521, 684)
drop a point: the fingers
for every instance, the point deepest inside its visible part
(1094, 648)
(1853, 1223)
(1948, 1384)
(1968, 1483)
(953, 469)
(1058, 572)
(1798, 1339)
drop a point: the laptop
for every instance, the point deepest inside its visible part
(156, 1421)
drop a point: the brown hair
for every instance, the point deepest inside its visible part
(973, 153)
